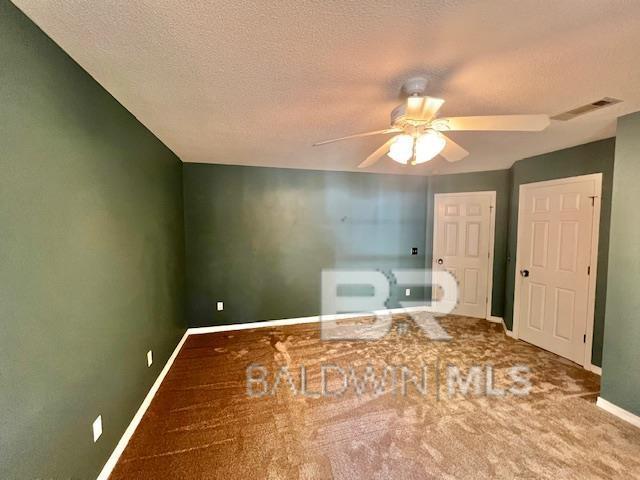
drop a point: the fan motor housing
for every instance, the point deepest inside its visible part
(398, 115)
(399, 120)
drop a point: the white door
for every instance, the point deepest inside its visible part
(555, 230)
(462, 246)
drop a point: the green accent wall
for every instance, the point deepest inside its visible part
(258, 238)
(595, 157)
(91, 259)
(621, 356)
(498, 181)
(97, 215)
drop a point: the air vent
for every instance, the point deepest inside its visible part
(590, 107)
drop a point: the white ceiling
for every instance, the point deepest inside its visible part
(254, 82)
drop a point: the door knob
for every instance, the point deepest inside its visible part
(440, 261)
(524, 273)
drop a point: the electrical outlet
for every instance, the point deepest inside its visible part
(220, 306)
(407, 292)
(149, 358)
(414, 251)
(97, 428)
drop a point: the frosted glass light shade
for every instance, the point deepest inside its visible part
(428, 145)
(401, 149)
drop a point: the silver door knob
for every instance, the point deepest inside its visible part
(524, 273)
(440, 261)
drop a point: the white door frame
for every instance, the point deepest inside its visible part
(595, 237)
(492, 234)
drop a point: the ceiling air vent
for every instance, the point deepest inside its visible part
(589, 107)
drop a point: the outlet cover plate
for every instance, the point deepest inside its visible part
(97, 428)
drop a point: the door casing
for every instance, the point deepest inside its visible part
(595, 236)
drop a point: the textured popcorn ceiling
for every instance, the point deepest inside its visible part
(257, 82)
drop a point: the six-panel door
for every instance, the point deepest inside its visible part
(554, 245)
(461, 247)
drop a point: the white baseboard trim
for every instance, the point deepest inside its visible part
(128, 433)
(618, 412)
(595, 369)
(245, 326)
(493, 319)
(295, 321)
(509, 333)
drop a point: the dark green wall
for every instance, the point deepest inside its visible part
(621, 356)
(498, 181)
(228, 208)
(91, 259)
(584, 159)
(258, 238)
(92, 251)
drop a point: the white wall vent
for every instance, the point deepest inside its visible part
(589, 107)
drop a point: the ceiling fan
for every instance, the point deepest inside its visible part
(420, 133)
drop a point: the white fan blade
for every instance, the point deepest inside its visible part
(422, 108)
(516, 123)
(358, 135)
(452, 151)
(377, 155)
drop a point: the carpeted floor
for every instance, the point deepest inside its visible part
(208, 422)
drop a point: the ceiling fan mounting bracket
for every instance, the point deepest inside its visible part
(415, 86)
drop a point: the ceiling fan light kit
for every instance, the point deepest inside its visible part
(401, 150)
(428, 145)
(420, 149)
(420, 136)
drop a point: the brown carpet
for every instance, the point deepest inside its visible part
(202, 423)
